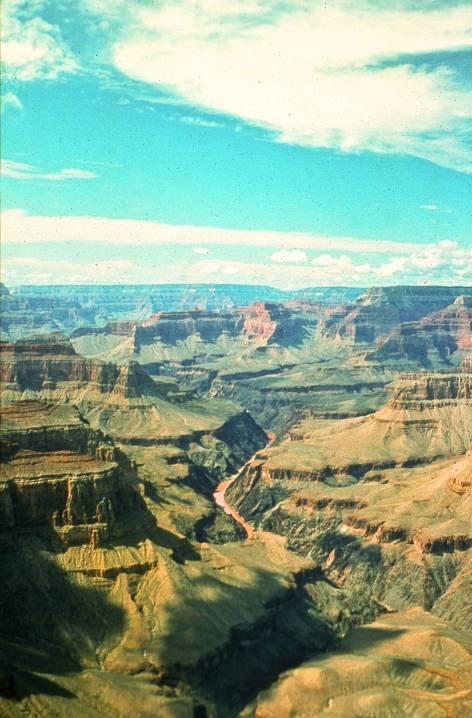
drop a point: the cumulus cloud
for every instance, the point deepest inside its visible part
(328, 75)
(441, 263)
(32, 48)
(18, 227)
(296, 255)
(445, 261)
(19, 170)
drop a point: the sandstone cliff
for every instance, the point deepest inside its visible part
(379, 310)
(441, 338)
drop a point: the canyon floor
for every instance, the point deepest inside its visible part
(332, 573)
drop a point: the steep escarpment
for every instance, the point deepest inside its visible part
(49, 367)
(441, 338)
(203, 441)
(268, 357)
(428, 417)
(103, 610)
(380, 309)
(60, 477)
(381, 503)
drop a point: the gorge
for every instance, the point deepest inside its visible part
(256, 510)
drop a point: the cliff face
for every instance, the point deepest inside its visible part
(379, 310)
(49, 367)
(43, 364)
(266, 322)
(170, 327)
(278, 324)
(435, 340)
(211, 438)
(90, 581)
(59, 475)
(268, 357)
(382, 504)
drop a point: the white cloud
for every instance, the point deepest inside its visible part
(444, 260)
(441, 263)
(313, 73)
(296, 255)
(19, 170)
(393, 266)
(434, 208)
(9, 99)
(32, 48)
(18, 227)
(189, 120)
(201, 250)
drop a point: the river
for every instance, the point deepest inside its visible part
(219, 494)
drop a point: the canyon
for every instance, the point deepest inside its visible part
(236, 502)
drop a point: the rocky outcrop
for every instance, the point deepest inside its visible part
(421, 390)
(265, 322)
(382, 503)
(409, 663)
(50, 367)
(59, 475)
(437, 339)
(109, 588)
(378, 311)
(460, 476)
(277, 324)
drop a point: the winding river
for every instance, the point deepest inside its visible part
(219, 494)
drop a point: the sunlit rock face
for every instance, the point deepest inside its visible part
(379, 310)
(59, 475)
(127, 591)
(381, 502)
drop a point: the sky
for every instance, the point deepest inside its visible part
(293, 144)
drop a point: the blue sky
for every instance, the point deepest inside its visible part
(292, 144)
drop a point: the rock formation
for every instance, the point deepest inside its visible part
(379, 310)
(127, 591)
(23, 316)
(59, 475)
(102, 610)
(441, 338)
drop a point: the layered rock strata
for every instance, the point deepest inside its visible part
(61, 478)
(379, 310)
(441, 338)
(381, 503)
